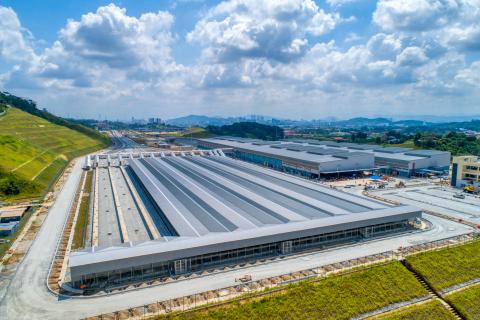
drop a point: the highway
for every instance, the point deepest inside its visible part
(27, 296)
(122, 143)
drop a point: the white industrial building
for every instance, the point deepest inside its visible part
(208, 211)
(317, 158)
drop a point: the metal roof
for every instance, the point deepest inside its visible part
(325, 150)
(265, 143)
(216, 203)
(392, 149)
(201, 195)
(300, 152)
(348, 155)
(424, 153)
(365, 147)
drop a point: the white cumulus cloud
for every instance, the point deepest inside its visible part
(107, 51)
(272, 29)
(414, 15)
(13, 43)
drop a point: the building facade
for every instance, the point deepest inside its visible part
(465, 171)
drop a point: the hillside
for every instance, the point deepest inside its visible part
(248, 130)
(30, 106)
(33, 152)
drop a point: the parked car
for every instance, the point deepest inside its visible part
(459, 196)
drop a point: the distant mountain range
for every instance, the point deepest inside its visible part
(202, 121)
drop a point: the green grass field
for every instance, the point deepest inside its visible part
(467, 302)
(450, 266)
(337, 297)
(37, 150)
(428, 310)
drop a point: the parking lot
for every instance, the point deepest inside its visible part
(438, 199)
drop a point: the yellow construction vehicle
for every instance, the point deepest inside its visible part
(469, 188)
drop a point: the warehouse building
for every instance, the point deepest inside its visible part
(220, 211)
(301, 159)
(334, 156)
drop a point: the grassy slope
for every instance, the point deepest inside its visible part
(38, 150)
(467, 302)
(450, 266)
(338, 297)
(429, 310)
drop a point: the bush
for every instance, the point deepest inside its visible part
(12, 185)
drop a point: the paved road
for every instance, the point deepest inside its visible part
(27, 297)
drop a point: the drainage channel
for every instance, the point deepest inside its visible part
(431, 290)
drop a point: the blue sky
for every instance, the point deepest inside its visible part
(284, 58)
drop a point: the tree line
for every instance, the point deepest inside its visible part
(456, 142)
(251, 130)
